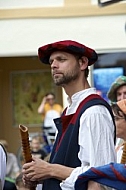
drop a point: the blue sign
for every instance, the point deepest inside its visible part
(104, 77)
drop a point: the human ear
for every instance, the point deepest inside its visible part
(83, 61)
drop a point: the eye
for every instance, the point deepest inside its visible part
(61, 59)
(50, 61)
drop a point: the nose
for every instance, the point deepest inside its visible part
(124, 96)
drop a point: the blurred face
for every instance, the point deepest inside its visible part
(35, 144)
(50, 99)
(120, 126)
(121, 93)
(64, 67)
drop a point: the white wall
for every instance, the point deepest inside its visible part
(30, 3)
(23, 37)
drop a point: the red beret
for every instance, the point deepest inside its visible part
(69, 46)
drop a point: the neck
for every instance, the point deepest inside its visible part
(75, 87)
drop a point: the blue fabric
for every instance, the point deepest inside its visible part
(112, 175)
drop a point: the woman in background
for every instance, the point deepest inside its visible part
(119, 111)
(49, 110)
(114, 174)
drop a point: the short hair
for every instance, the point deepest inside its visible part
(19, 181)
(50, 93)
(87, 69)
(86, 72)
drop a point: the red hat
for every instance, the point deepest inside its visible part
(69, 46)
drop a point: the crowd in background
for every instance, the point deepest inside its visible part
(50, 110)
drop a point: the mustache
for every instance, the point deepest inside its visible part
(54, 72)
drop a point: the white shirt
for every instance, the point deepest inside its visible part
(96, 134)
(48, 121)
(119, 154)
(2, 167)
(119, 149)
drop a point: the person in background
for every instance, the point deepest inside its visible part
(112, 175)
(86, 128)
(49, 110)
(19, 183)
(119, 110)
(37, 149)
(116, 93)
(117, 90)
(12, 169)
(3, 161)
(107, 174)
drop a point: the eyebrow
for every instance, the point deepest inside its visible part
(57, 57)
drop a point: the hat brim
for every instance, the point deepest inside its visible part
(69, 46)
(120, 81)
(112, 93)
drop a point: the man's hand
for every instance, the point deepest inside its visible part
(36, 170)
(39, 170)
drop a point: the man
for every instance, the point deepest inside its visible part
(3, 161)
(117, 90)
(85, 130)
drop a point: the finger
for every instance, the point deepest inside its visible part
(27, 165)
(28, 177)
(29, 171)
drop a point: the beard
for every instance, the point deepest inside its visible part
(67, 77)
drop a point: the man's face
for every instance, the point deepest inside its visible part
(64, 68)
(121, 93)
